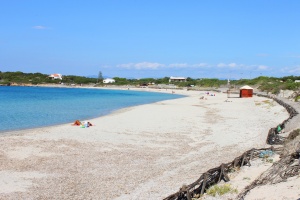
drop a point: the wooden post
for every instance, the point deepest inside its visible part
(204, 183)
(251, 155)
(248, 160)
(243, 160)
(184, 189)
(272, 148)
(221, 172)
(226, 178)
(235, 162)
(188, 195)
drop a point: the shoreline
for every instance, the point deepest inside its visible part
(18, 131)
(145, 152)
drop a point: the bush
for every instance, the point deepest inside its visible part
(220, 190)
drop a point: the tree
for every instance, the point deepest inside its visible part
(100, 77)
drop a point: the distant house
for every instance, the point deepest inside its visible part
(55, 76)
(109, 80)
(177, 79)
(297, 81)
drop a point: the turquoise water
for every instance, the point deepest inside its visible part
(31, 107)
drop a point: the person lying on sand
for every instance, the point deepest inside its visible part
(77, 123)
(86, 124)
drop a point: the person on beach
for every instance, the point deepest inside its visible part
(86, 124)
(77, 123)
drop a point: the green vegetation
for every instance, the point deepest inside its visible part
(143, 81)
(38, 78)
(269, 103)
(221, 190)
(271, 84)
(78, 80)
(267, 84)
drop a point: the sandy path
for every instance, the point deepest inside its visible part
(143, 152)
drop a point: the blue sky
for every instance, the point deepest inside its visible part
(154, 38)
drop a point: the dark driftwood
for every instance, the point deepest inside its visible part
(273, 136)
(279, 172)
(215, 175)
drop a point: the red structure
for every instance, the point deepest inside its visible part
(246, 91)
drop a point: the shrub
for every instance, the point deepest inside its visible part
(220, 190)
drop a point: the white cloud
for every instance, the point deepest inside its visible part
(149, 65)
(292, 70)
(262, 67)
(185, 66)
(105, 66)
(230, 65)
(295, 70)
(178, 65)
(39, 27)
(142, 65)
(126, 66)
(221, 65)
(200, 65)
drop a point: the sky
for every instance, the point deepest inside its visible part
(229, 39)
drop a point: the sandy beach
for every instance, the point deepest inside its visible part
(142, 152)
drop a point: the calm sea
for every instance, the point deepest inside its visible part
(30, 107)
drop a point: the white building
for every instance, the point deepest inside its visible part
(177, 79)
(55, 76)
(109, 80)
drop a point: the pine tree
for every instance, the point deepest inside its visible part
(100, 77)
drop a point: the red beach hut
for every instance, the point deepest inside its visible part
(246, 91)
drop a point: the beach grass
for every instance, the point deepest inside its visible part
(221, 190)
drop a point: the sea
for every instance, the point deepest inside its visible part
(32, 107)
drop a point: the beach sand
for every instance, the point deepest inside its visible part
(141, 152)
